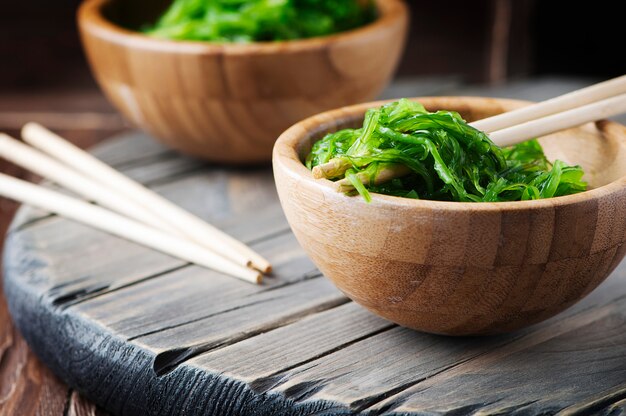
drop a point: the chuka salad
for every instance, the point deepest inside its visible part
(406, 151)
(260, 20)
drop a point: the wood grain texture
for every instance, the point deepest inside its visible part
(461, 268)
(400, 366)
(230, 102)
(142, 333)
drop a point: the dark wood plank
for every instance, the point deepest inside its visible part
(260, 360)
(107, 260)
(608, 403)
(192, 286)
(385, 364)
(545, 372)
(257, 313)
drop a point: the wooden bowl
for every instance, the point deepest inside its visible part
(461, 268)
(229, 102)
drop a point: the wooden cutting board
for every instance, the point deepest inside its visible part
(139, 332)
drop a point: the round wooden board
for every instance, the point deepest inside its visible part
(139, 332)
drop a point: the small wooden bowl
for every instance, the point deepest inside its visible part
(461, 268)
(229, 102)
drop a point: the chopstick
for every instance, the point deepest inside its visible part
(105, 220)
(578, 98)
(560, 121)
(136, 222)
(186, 223)
(43, 165)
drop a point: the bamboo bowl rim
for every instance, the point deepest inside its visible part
(287, 156)
(91, 17)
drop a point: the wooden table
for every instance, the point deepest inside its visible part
(295, 345)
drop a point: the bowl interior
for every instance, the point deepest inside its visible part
(134, 14)
(602, 155)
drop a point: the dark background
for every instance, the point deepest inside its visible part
(479, 41)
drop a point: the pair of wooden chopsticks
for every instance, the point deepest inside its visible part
(127, 209)
(593, 103)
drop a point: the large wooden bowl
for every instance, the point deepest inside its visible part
(461, 268)
(229, 102)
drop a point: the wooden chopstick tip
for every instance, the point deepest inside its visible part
(264, 267)
(257, 262)
(34, 132)
(252, 277)
(262, 270)
(6, 137)
(32, 126)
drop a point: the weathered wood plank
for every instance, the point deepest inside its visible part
(256, 359)
(389, 363)
(103, 260)
(259, 313)
(610, 402)
(225, 195)
(81, 262)
(207, 342)
(28, 388)
(193, 292)
(578, 322)
(575, 361)
(368, 371)
(162, 170)
(190, 287)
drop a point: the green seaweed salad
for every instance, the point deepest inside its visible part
(260, 20)
(406, 151)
